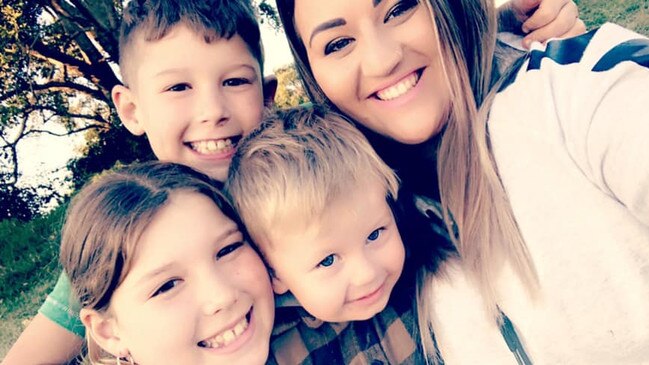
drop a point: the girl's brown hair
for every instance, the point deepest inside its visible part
(105, 220)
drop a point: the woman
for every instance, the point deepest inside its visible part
(549, 206)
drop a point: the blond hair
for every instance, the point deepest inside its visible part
(105, 220)
(296, 163)
(475, 205)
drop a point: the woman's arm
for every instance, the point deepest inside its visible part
(44, 342)
(541, 20)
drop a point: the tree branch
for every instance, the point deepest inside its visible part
(57, 85)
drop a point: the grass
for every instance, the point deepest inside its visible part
(29, 272)
(633, 14)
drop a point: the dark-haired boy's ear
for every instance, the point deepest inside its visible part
(103, 330)
(270, 88)
(126, 106)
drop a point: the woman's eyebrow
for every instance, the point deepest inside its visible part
(327, 25)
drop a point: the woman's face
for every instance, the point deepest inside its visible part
(379, 62)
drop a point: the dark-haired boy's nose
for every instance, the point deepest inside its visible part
(214, 109)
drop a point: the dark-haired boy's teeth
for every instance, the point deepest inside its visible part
(212, 146)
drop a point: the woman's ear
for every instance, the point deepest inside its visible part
(126, 106)
(102, 329)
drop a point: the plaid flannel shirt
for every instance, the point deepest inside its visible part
(390, 337)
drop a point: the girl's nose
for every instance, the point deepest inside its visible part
(217, 294)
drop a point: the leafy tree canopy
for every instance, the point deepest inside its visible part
(57, 69)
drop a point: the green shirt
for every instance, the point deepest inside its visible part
(62, 308)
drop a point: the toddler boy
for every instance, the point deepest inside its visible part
(318, 202)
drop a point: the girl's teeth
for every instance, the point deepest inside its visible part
(398, 89)
(226, 337)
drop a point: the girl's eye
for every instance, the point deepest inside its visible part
(328, 261)
(166, 287)
(228, 249)
(237, 81)
(336, 45)
(179, 87)
(375, 234)
(400, 8)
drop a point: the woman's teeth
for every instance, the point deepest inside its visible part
(226, 337)
(212, 146)
(398, 89)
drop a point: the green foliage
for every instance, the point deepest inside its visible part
(28, 254)
(19, 204)
(56, 69)
(290, 90)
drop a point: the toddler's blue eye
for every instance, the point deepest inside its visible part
(375, 234)
(328, 261)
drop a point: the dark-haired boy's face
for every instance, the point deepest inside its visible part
(194, 100)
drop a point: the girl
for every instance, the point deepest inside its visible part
(163, 271)
(548, 206)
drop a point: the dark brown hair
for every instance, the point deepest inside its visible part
(213, 19)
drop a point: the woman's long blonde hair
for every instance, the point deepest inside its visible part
(474, 203)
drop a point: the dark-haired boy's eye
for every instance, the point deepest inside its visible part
(228, 249)
(179, 87)
(337, 44)
(400, 8)
(238, 81)
(168, 285)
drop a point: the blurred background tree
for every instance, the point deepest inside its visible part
(57, 69)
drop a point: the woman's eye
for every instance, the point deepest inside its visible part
(400, 8)
(237, 81)
(328, 261)
(228, 249)
(337, 45)
(179, 87)
(166, 287)
(375, 234)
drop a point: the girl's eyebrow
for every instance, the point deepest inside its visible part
(327, 25)
(161, 269)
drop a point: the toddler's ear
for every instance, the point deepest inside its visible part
(278, 286)
(103, 330)
(124, 101)
(270, 88)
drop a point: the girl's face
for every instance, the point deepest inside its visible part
(379, 62)
(196, 293)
